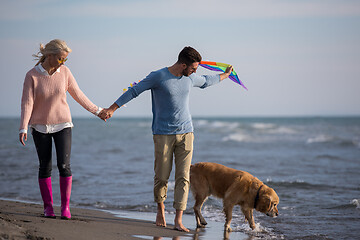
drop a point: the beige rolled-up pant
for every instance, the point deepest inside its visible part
(181, 147)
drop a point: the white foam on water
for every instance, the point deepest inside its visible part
(201, 122)
(213, 214)
(282, 130)
(273, 128)
(259, 231)
(263, 126)
(356, 203)
(171, 185)
(222, 124)
(238, 137)
(343, 141)
(322, 138)
(286, 208)
(238, 223)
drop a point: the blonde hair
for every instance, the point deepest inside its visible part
(53, 47)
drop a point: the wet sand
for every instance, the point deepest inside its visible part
(20, 220)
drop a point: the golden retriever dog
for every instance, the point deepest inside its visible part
(235, 188)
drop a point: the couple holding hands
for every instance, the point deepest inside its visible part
(45, 110)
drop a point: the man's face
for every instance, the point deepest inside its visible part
(190, 69)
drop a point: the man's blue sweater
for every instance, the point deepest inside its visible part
(170, 99)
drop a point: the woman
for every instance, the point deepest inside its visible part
(45, 110)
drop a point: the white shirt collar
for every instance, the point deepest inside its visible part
(42, 70)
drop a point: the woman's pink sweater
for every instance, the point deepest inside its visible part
(44, 98)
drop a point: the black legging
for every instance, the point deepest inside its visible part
(43, 144)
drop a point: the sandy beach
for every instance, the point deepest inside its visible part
(20, 220)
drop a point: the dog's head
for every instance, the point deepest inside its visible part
(268, 201)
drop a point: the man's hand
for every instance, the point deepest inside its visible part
(227, 73)
(107, 113)
(22, 137)
(102, 115)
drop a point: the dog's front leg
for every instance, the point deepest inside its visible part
(248, 213)
(228, 216)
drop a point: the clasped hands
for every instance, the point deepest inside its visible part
(107, 113)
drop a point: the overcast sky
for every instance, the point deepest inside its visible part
(297, 58)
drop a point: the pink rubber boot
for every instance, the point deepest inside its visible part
(46, 194)
(65, 191)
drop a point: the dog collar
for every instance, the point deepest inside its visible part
(257, 196)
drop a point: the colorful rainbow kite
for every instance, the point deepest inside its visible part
(221, 67)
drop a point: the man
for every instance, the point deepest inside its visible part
(172, 125)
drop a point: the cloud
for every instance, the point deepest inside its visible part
(172, 9)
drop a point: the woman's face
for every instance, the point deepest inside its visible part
(56, 60)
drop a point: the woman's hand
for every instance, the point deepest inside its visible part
(22, 137)
(107, 113)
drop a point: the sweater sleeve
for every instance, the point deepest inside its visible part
(145, 84)
(78, 95)
(204, 81)
(27, 101)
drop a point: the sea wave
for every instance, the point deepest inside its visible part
(243, 136)
(271, 128)
(328, 139)
(171, 185)
(328, 156)
(263, 126)
(200, 122)
(282, 130)
(260, 232)
(224, 125)
(356, 203)
(216, 124)
(238, 137)
(320, 139)
(213, 212)
(248, 128)
(299, 184)
(352, 204)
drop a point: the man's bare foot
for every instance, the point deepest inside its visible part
(178, 222)
(181, 228)
(160, 216)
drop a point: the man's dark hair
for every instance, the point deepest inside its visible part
(188, 56)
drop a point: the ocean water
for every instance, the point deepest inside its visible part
(312, 163)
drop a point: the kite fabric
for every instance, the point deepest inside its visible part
(221, 67)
